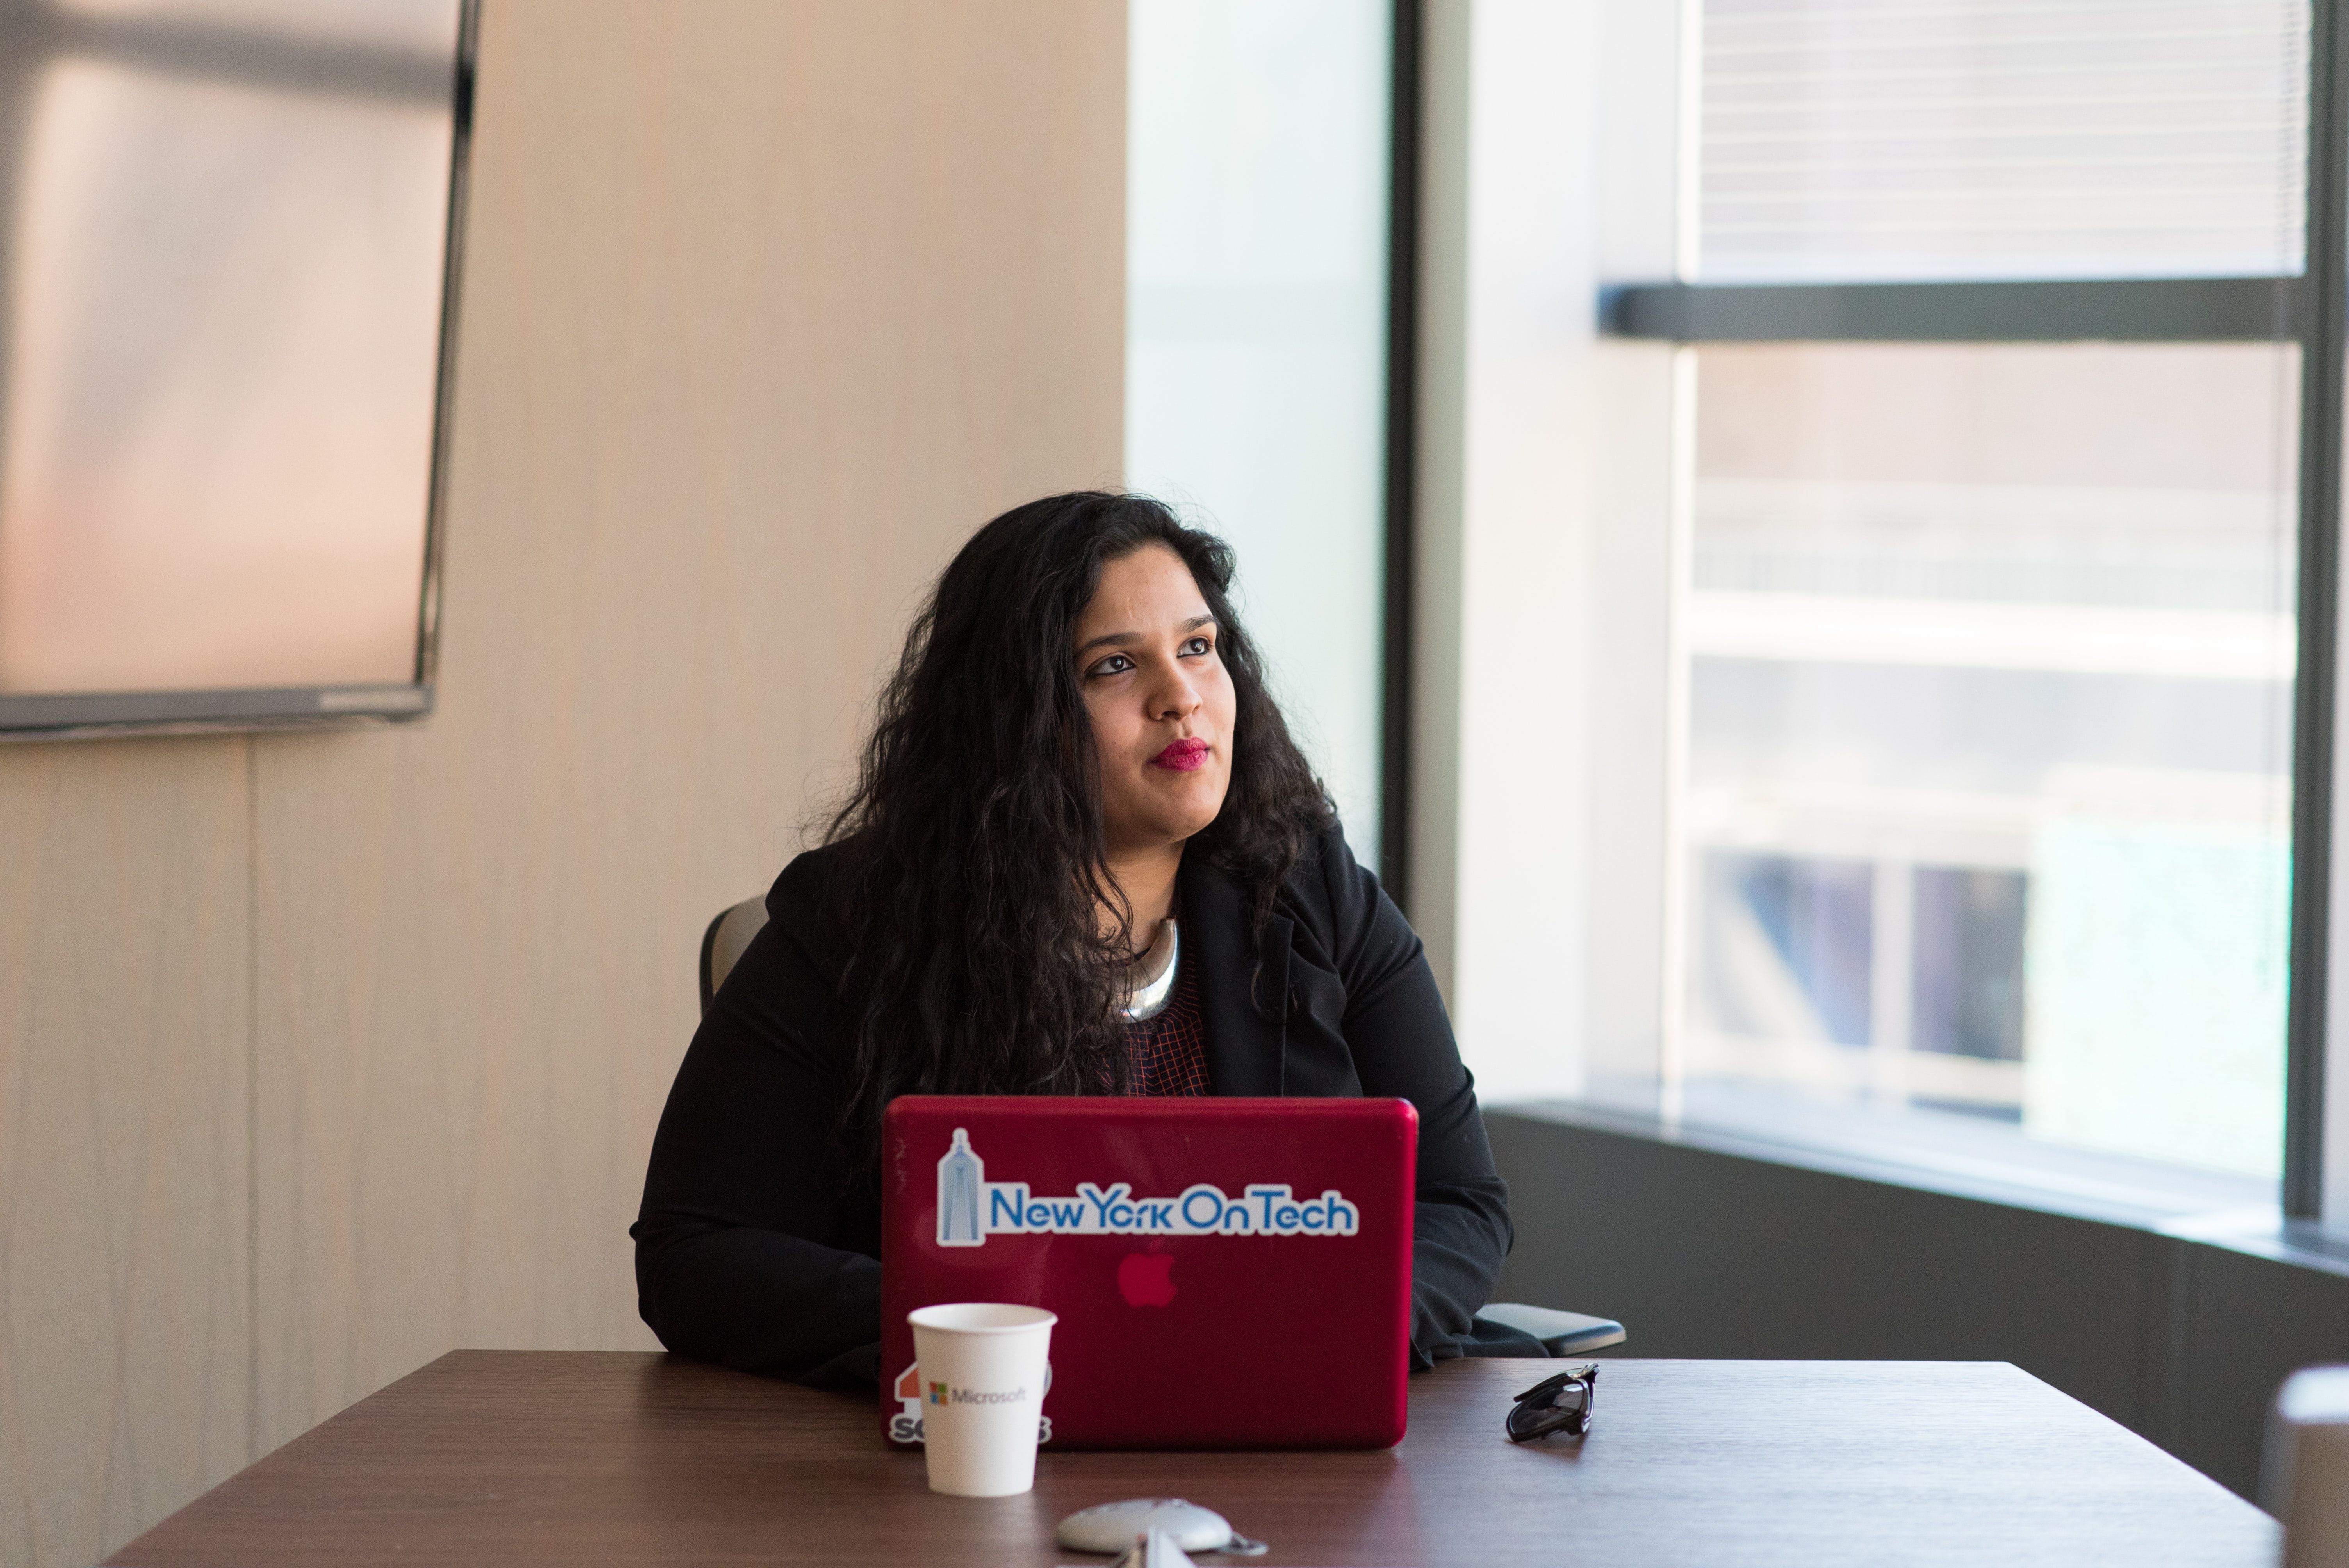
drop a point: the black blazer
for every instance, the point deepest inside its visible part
(748, 1251)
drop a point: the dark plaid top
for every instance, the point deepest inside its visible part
(1168, 1054)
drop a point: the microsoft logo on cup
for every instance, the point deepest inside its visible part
(912, 1392)
(941, 1395)
(971, 1208)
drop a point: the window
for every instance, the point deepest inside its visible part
(1256, 338)
(2007, 396)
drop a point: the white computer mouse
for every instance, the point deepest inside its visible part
(1111, 1526)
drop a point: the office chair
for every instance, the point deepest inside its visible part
(1560, 1333)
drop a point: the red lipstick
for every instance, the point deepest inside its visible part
(1186, 756)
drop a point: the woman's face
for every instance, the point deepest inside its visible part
(1160, 700)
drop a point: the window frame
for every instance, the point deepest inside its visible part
(1405, 87)
(2311, 309)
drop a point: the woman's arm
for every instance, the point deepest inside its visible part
(1401, 1042)
(748, 1250)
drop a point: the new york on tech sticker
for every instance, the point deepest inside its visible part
(971, 1208)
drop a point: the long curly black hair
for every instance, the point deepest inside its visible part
(975, 851)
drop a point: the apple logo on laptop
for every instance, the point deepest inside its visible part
(1146, 1279)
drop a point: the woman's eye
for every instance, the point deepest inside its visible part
(1198, 645)
(1116, 664)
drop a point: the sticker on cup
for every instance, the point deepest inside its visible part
(981, 1367)
(906, 1425)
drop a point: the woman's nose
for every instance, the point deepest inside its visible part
(1175, 697)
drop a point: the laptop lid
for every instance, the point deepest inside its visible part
(1227, 1272)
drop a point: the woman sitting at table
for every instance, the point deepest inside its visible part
(1082, 857)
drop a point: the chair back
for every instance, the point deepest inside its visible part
(723, 943)
(2304, 1469)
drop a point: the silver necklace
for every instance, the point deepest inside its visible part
(1150, 979)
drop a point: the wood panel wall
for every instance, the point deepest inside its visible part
(320, 1055)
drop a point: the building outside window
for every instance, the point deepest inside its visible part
(1984, 651)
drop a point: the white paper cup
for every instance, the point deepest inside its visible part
(981, 1366)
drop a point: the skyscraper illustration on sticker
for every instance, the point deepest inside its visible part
(962, 1177)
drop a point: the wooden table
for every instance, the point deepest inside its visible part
(582, 1458)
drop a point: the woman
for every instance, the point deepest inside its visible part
(1083, 856)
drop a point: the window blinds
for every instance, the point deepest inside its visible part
(1878, 139)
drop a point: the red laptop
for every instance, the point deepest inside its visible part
(1229, 1273)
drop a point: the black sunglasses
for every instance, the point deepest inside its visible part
(1557, 1404)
